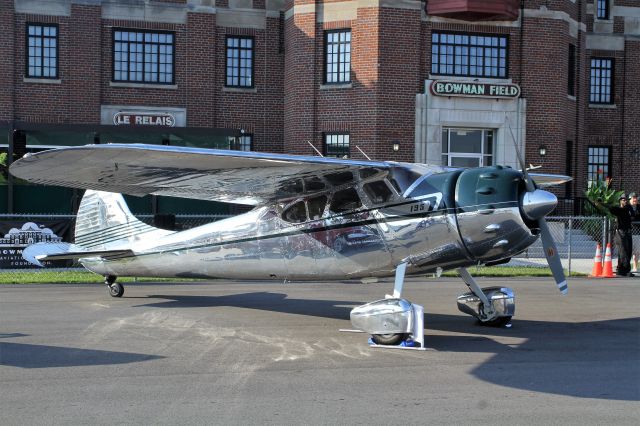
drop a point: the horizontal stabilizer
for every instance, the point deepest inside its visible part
(35, 253)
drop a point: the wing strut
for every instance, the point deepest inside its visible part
(397, 288)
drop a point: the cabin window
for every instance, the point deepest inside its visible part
(345, 200)
(295, 213)
(377, 191)
(314, 184)
(339, 178)
(368, 172)
(316, 206)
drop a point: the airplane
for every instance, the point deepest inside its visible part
(313, 218)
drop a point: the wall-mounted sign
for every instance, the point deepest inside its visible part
(18, 235)
(473, 89)
(136, 118)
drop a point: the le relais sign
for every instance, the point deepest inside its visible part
(473, 89)
(133, 118)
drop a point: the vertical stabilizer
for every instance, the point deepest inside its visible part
(104, 222)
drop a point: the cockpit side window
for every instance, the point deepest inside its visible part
(316, 206)
(295, 213)
(377, 191)
(345, 200)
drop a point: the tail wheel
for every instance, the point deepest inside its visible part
(389, 339)
(116, 290)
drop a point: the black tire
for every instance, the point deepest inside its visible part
(116, 290)
(497, 322)
(389, 339)
(339, 244)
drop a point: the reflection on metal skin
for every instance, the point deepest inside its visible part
(502, 299)
(387, 316)
(487, 247)
(538, 204)
(424, 217)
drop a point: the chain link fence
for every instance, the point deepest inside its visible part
(576, 237)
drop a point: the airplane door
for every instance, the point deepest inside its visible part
(299, 245)
(272, 245)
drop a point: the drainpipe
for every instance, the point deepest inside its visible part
(10, 134)
(624, 91)
(578, 73)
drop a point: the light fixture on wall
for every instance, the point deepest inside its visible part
(542, 151)
(396, 146)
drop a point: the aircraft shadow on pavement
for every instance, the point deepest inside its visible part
(265, 301)
(41, 356)
(546, 356)
(594, 359)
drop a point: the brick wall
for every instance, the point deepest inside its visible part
(290, 104)
(630, 178)
(7, 61)
(300, 75)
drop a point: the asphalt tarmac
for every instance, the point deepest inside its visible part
(271, 353)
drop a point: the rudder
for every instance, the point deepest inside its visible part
(104, 222)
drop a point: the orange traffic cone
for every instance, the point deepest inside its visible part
(607, 271)
(634, 264)
(596, 272)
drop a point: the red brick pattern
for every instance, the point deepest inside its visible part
(290, 105)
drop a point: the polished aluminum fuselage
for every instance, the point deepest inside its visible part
(261, 245)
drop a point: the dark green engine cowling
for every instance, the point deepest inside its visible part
(487, 207)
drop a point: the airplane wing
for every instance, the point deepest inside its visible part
(543, 180)
(251, 178)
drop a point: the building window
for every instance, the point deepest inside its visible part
(601, 88)
(143, 56)
(602, 9)
(241, 143)
(469, 55)
(336, 145)
(598, 164)
(571, 72)
(239, 62)
(42, 51)
(467, 147)
(337, 56)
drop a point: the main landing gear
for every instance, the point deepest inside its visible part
(492, 306)
(393, 322)
(114, 288)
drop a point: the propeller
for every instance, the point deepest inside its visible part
(535, 200)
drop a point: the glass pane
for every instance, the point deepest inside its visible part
(445, 141)
(465, 161)
(467, 141)
(488, 142)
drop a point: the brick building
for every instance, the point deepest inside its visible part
(446, 82)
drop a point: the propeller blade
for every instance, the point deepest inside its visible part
(553, 258)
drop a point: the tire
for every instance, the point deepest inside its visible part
(389, 339)
(497, 322)
(116, 290)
